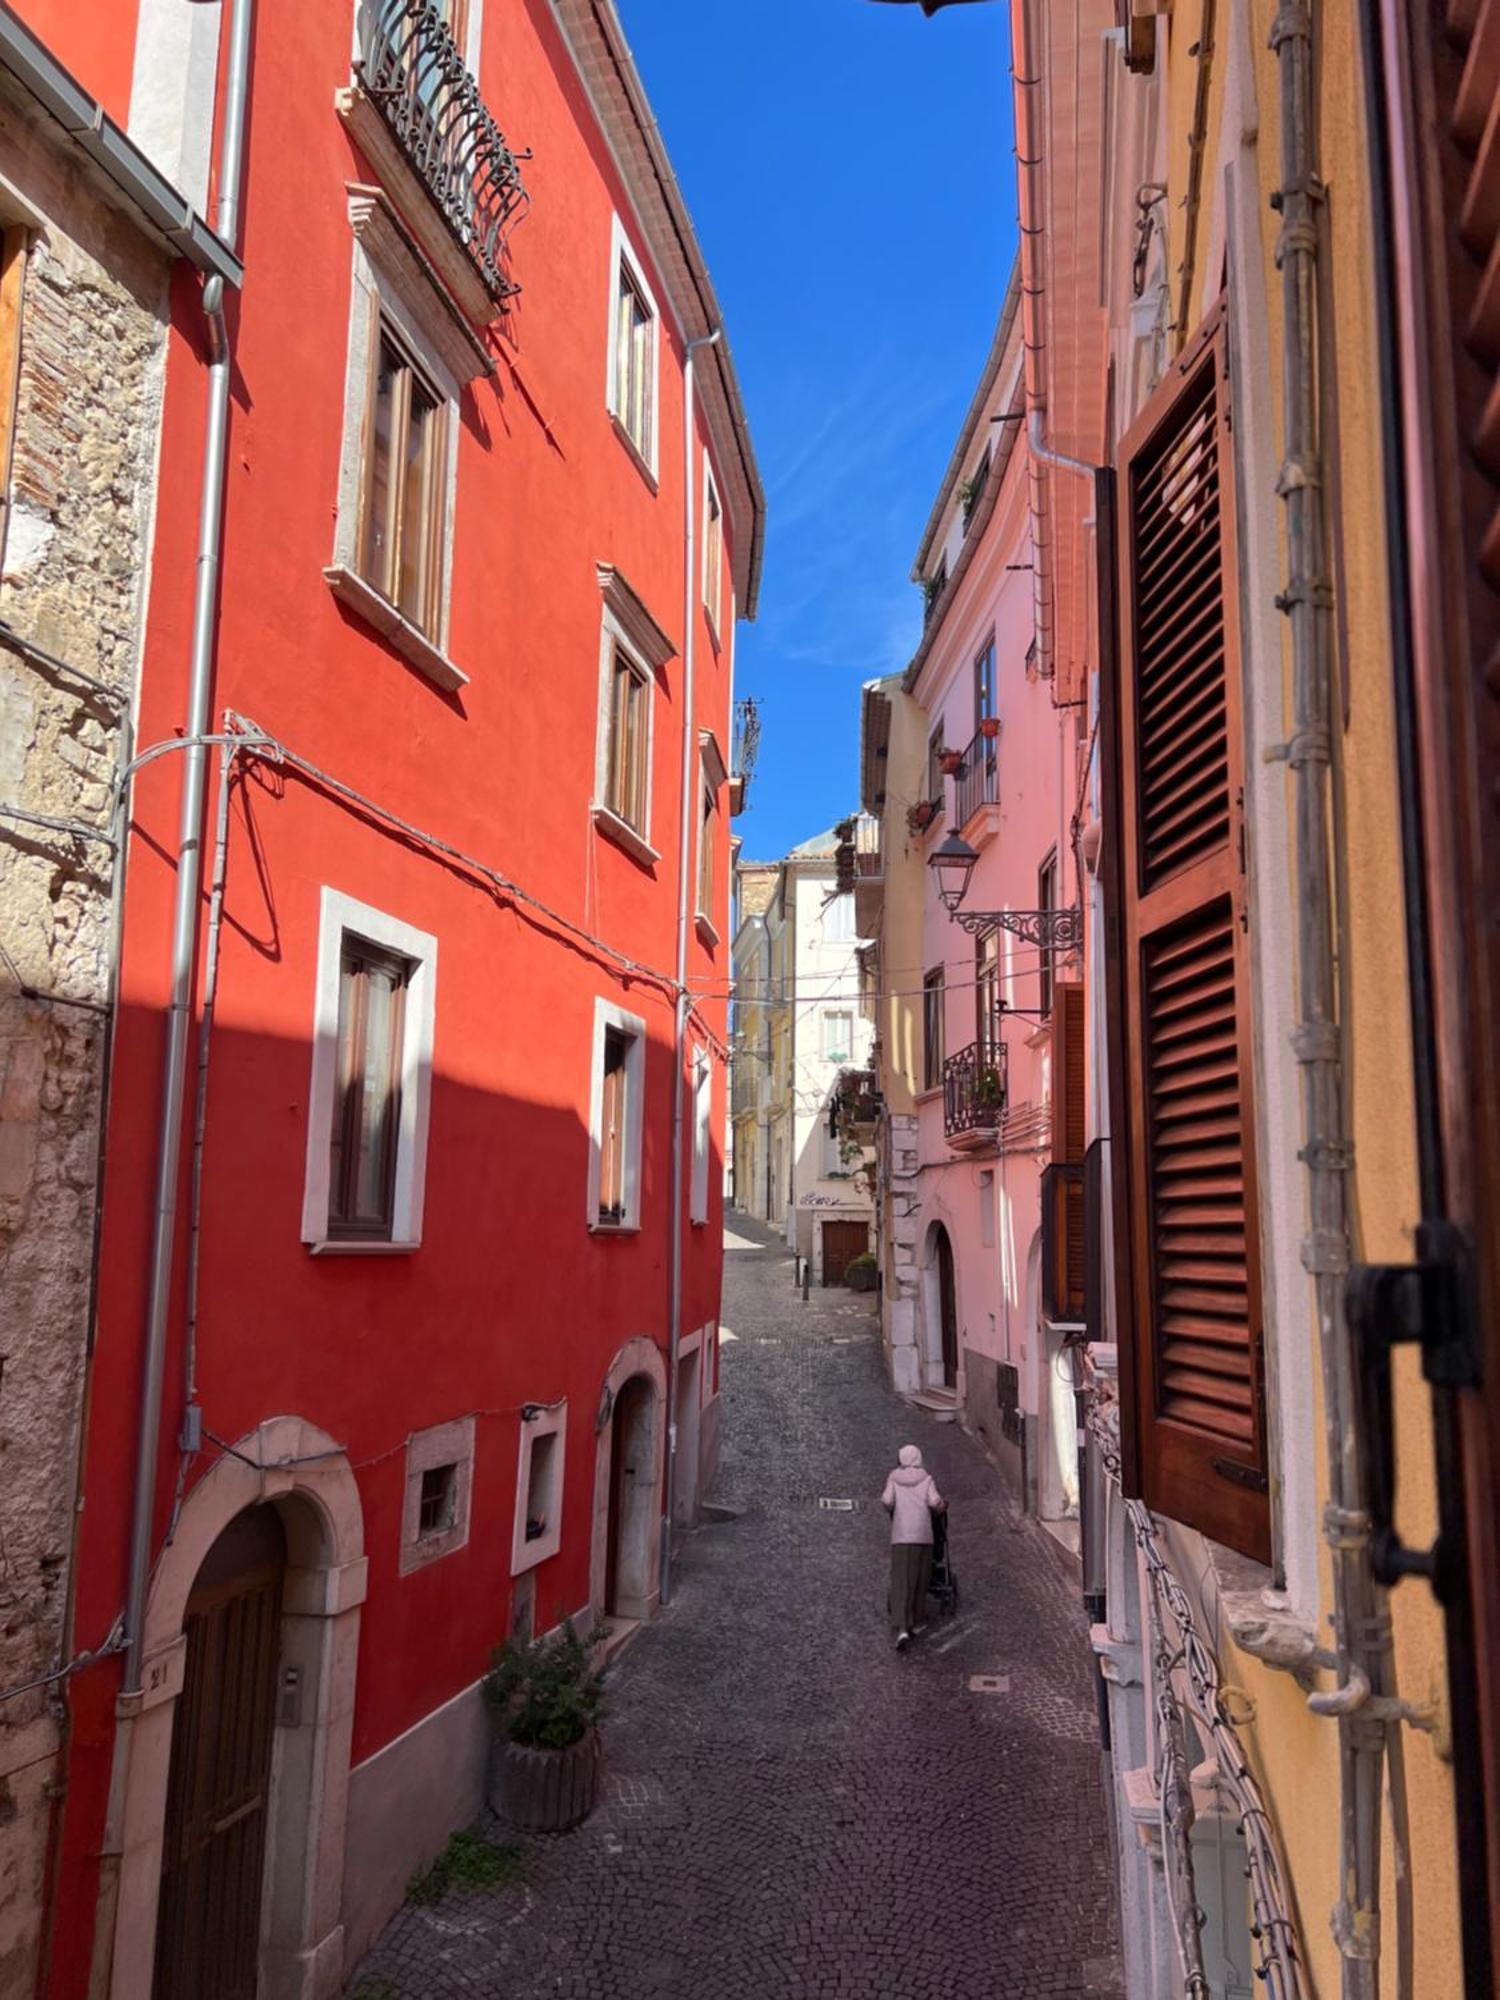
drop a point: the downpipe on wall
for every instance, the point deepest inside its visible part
(1365, 1661)
(185, 917)
(684, 921)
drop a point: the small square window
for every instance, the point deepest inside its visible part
(439, 1484)
(436, 1505)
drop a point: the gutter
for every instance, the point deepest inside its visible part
(165, 212)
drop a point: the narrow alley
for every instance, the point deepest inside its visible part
(790, 1808)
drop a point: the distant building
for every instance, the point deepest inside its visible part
(802, 1029)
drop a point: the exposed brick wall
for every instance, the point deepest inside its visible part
(75, 554)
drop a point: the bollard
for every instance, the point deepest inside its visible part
(806, 1277)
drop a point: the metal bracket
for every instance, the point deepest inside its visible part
(1052, 930)
(1429, 1304)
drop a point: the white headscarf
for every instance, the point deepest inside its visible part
(910, 1454)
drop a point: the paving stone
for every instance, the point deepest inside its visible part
(792, 1810)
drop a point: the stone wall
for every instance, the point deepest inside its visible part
(77, 534)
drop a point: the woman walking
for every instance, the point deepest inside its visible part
(911, 1499)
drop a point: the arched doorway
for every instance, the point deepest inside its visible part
(218, 1787)
(632, 1531)
(295, 1473)
(947, 1305)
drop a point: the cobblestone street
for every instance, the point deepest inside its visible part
(791, 1810)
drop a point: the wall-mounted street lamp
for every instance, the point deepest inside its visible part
(952, 864)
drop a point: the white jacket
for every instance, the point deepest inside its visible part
(909, 1499)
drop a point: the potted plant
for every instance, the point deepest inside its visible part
(952, 762)
(860, 1272)
(920, 816)
(989, 1090)
(989, 727)
(545, 1698)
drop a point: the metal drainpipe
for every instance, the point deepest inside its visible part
(1361, 1623)
(684, 921)
(189, 848)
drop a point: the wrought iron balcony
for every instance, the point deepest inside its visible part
(974, 1090)
(976, 782)
(856, 1102)
(414, 73)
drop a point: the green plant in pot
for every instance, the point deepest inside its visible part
(860, 1272)
(989, 1090)
(545, 1698)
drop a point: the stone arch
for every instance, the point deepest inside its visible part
(939, 1231)
(641, 1359)
(305, 1475)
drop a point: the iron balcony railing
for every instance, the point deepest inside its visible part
(856, 1101)
(976, 782)
(974, 1087)
(858, 856)
(414, 72)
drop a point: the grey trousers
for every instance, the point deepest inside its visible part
(911, 1569)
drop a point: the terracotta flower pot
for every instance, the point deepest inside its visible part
(545, 1791)
(990, 727)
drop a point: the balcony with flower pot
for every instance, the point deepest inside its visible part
(974, 1092)
(976, 786)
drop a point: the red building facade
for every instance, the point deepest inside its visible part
(420, 1298)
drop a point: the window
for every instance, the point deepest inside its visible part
(410, 352)
(984, 686)
(439, 1487)
(935, 766)
(713, 547)
(933, 589)
(633, 650)
(367, 1108)
(1046, 899)
(403, 498)
(1191, 1364)
(632, 355)
(614, 1201)
(932, 1029)
(987, 997)
(537, 1532)
(708, 814)
(371, 1080)
(973, 487)
(838, 1034)
(438, 1498)
(838, 919)
(625, 789)
(703, 1079)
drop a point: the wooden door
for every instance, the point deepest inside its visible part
(841, 1242)
(213, 1850)
(948, 1309)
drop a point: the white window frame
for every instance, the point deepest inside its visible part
(623, 258)
(713, 571)
(627, 626)
(445, 1444)
(712, 778)
(341, 916)
(829, 1015)
(702, 1114)
(608, 1015)
(388, 282)
(546, 1423)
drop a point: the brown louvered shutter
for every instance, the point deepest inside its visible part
(1062, 1196)
(1192, 1319)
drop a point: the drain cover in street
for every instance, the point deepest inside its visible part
(989, 1684)
(837, 1506)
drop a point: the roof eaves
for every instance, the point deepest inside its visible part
(167, 213)
(994, 361)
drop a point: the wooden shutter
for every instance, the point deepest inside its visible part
(1063, 1263)
(1191, 1318)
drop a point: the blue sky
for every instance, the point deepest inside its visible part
(849, 171)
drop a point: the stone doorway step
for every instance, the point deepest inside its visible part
(939, 1403)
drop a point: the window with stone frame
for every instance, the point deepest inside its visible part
(403, 487)
(367, 1107)
(627, 741)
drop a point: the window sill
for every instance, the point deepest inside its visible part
(624, 835)
(706, 931)
(642, 464)
(360, 1246)
(614, 1229)
(383, 617)
(532, 1554)
(931, 1096)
